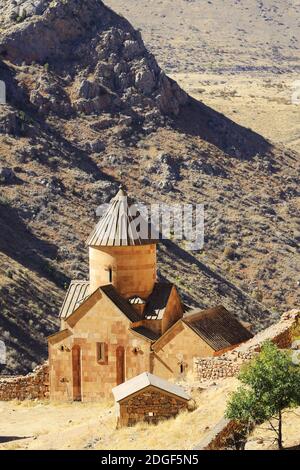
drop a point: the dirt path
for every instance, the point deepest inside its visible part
(36, 425)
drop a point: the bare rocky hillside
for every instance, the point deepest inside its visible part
(238, 57)
(88, 107)
(220, 35)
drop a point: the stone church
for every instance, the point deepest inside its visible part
(123, 321)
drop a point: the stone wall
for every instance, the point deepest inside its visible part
(230, 363)
(226, 434)
(150, 406)
(28, 387)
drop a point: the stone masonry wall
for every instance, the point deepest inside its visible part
(28, 387)
(230, 363)
(137, 408)
(223, 436)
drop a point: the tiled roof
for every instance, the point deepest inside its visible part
(142, 381)
(77, 292)
(143, 331)
(117, 226)
(157, 301)
(120, 302)
(219, 328)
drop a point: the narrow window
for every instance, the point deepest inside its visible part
(181, 368)
(110, 274)
(101, 352)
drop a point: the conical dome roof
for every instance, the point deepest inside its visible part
(121, 225)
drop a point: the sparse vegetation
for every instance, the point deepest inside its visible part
(271, 386)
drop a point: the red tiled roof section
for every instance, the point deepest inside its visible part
(219, 328)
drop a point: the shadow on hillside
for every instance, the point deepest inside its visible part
(223, 287)
(20, 244)
(293, 447)
(4, 439)
(32, 348)
(197, 119)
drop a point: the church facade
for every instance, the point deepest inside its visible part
(123, 322)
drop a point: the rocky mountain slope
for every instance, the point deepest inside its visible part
(88, 107)
(239, 57)
(220, 35)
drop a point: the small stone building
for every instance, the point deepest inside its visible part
(123, 321)
(148, 398)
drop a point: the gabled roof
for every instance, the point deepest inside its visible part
(217, 327)
(118, 227)
(77, 292)
(157, 301)
(143, 381)
(59, 335)
(120, 302)
(145, 332)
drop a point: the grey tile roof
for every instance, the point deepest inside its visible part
(143, 331)
(219, 328)
(144, 380)
(77, 292)
(157, 301)
(117, 226)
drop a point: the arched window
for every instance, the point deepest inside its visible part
(110, 274)
(101, 353)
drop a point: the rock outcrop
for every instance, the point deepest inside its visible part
(116, 71)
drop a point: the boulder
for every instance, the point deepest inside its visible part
(7, 176)
(145, 81)
(132, 49)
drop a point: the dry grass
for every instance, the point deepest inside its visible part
(43, 425)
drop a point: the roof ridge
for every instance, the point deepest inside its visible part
(120, 302)
(117, 228)
(201, 312)
(144, 380)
